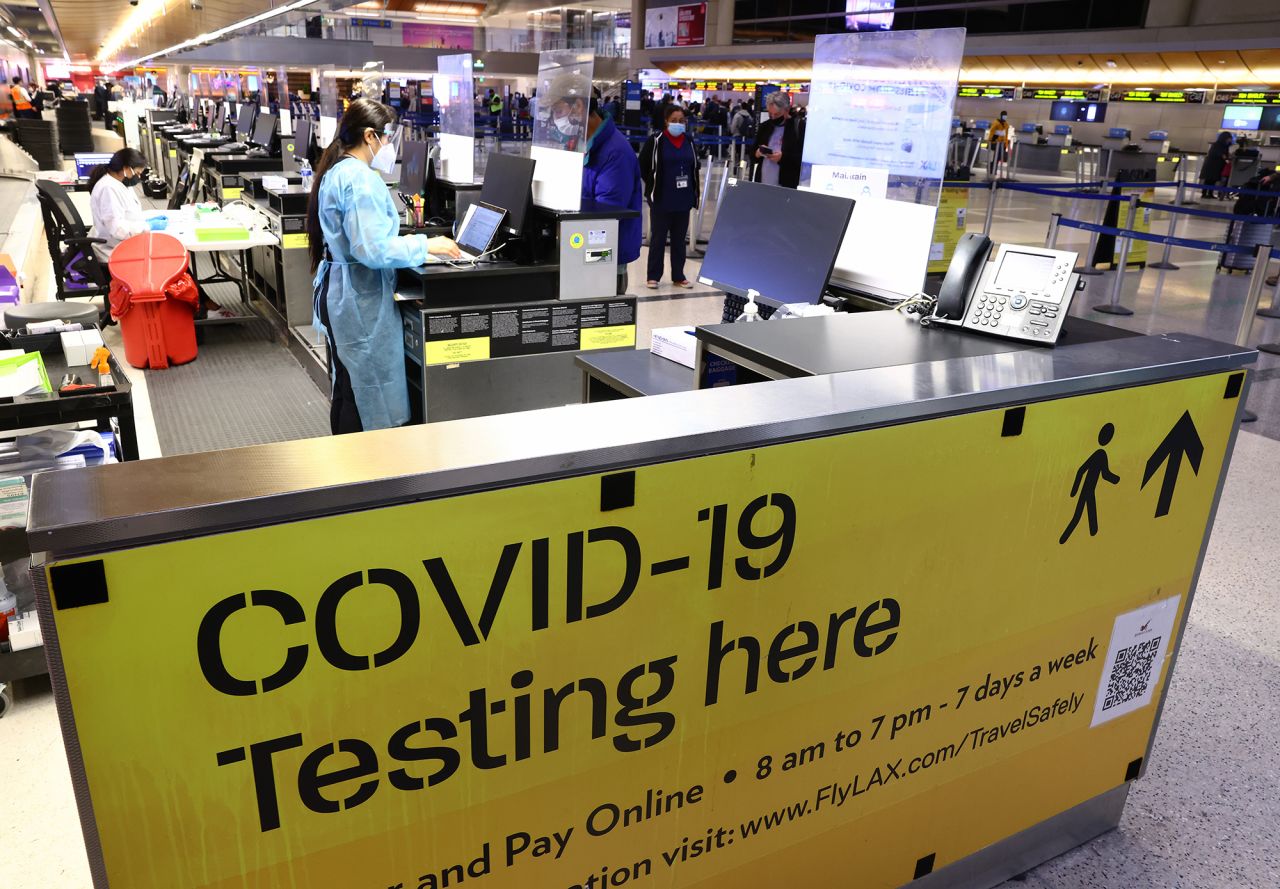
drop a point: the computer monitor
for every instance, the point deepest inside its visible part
(413, 167)
(215, 119)
(244, 121)
(264, 130)
(780, 242)
(1080, 112)
(1242, 117)
(302, 137)
(1270, 118)
(86, 161)
(508, 183)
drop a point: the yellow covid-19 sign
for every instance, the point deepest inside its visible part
(852, 659)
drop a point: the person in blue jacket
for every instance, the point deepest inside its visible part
(353, 233)
(611, 175)
(669, 167)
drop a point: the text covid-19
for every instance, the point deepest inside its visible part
(491, 730)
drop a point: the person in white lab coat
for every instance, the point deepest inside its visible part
(113, 201)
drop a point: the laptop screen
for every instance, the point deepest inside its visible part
(479, 227)
(87, 161)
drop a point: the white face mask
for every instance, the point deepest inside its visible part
(384, 159)
(567, 125)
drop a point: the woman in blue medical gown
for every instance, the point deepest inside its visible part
(354, 237)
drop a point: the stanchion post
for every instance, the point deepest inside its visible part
(991, 206)
(1086, 267)
(1164, 262)
(695, 230)
(1262, 257)
(1051, 240)
(1273, 310)
(1114, 307)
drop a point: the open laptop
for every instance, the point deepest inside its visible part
(477, 233)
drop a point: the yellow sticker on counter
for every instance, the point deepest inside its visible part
(472, 348)
(607, 337)
(173, 152)
(575, 240)
(230, 194)
(294, 240)
(747, 673)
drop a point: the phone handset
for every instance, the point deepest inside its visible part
(963, 275)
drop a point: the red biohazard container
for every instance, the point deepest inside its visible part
(154, 299)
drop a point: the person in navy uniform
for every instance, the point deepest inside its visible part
(669, 168)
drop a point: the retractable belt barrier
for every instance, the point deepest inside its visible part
(1262, 253)
(1141, 184)
(1240, 189)
(1061, 192)
(1153, 238)
(1213, 214)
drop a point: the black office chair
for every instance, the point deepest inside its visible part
(76, 268)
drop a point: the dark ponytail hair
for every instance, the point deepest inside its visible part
(125, 157)
(361, 115)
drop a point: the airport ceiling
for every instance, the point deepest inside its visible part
(26, 17)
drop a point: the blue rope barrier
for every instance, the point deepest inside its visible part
(1141, 185)
(1239, 189)
(1154, 239)
(1213, 214)
(1034, 189)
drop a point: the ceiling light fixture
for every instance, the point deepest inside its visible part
(14, 31)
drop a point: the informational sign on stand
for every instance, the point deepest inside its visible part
(768, 667)
(952, 218)
(454, 90)
(560, 127)
(880, 111)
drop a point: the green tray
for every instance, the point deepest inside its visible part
(222, 234)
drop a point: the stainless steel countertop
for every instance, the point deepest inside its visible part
(87, 510)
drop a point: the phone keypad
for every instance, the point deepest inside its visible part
(987, 310)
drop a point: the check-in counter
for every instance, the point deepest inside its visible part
(910, 624)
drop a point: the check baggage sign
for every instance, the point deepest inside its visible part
(866, 655)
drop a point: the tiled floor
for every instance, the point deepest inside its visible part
(1205, 815)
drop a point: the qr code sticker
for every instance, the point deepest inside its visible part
(1131, 673)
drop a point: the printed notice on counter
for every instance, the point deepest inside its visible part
(529, 329)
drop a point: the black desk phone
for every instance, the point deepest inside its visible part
(1023, 294)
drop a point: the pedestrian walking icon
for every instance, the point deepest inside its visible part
(1090, 472)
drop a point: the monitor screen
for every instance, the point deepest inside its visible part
(302, 137)
(215, 120)
(413, 167)
(1270, 118)
(1079, 112)
(1242, 117)
(85, 163)
(508, 183)
(264, 129)
(780, 242)
(244, 122)
(868, 15)
(479, 228)
(1028, 272)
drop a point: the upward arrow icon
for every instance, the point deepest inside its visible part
(1182, 441)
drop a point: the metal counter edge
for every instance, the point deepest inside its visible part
(81, 511)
